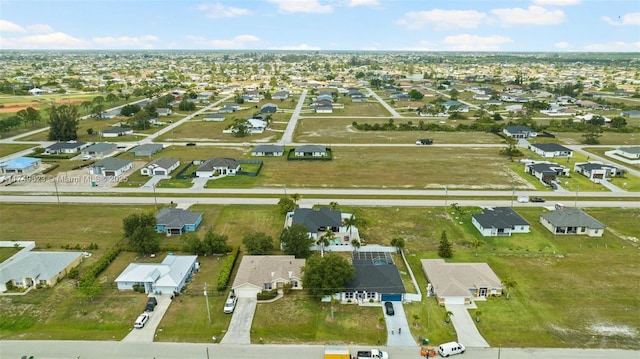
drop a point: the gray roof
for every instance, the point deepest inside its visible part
(268, 148)
(312, 219)
(176, 218)
(590, 166)
(551, 147)
(162, 162)
(148, 147)
(518, 129)
(101, 147)
(499, 217)
(65, 145)
(547, 167)
(572, 217)
(118, 130)
(37, 265)
(218, 162)
(111, 164)
(311, 148)
(630, 149)
(376, 278)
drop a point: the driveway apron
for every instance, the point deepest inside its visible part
(239, 331)
(401, 336)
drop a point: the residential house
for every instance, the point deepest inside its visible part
(460, 283)
(117, 131)
(317, 221)
(455, 106)
(546, 172)
(519, 132)
(27, 268)
(36, 91)
(20, 166)
(376, 279)
(229, 108)
(218, 167)
(160, 167)
(99, 150)
(177, 221)
(66, 147)
(169, 276)
(325, 107)
(213, 117)
(572, 221)
(630, 113)
(264, 273)
(629, 152)
(267, 150)
(164, 111)
(499, 221)
(147, 150)
(110, 167)
(310, 150)
(597, 171)
(551, 150)
(280, 95)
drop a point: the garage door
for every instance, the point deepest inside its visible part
(110, 173)
(159, 172)
(246, 292)
(453, 300)
(392, 297)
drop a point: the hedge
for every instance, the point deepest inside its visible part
(227, 268)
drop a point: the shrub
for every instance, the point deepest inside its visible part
(227, 268)
(266, 295)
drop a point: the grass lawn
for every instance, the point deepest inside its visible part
(211, 131)
(6, 252)
(360, 109)
(10, 148)
(607, 138)
(600, 151)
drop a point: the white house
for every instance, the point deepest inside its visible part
(111, 167)
(218, 167)
(166, 277)
(572, 221)
(551, 150)
(597, 171)
(117, 131)
(160, 167)
(499, 221)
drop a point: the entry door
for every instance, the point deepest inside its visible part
(483, 292)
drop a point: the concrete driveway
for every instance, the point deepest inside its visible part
(146, 334)
(468, 334)
(239, 331)
(401, 336)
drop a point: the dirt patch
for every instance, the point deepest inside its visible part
(612, 330)
(13, 107)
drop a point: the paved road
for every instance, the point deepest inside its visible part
(384, 103)
(67, 349)
(287, 136)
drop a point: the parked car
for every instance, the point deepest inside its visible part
(230, 304)
(141, 321)
(450, 348)
(536, 199)
(388, 307)
(554, 186)
(151, 304)
(191, 144)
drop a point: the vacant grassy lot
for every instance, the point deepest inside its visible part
(607, 138)
(360, 109)
(11, 148)
(212, 132)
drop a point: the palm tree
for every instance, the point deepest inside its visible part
(325, 240)
(508, 284)
(447, 316)
(350, 223)
(415, 320)
(476, 243)
(356, 244)
(333, 205)
(478, 313)
(296, 197)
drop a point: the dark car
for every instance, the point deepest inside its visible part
(554, 186)
(388, 307)
(151, 304)
(536, 199)
(191, 144)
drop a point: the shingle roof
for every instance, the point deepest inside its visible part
(382, 278)
(148, 147)
(162, 162)
(455, 279)
(117, 130)
(257, 270)
(268, 148)
(312, 219)
(310, 148)
(571, 217)
(630, 149)
(590, 166)
(551, 147)
(101, 147)
(111, 164)
(176, 218)
(218, 162)
(65, 145)
(518, 129)
(499, 217)
(37, 265)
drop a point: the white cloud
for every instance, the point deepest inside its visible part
(626, 19)
(420, 46)
(8, 26)
(306, 6)
(442, 19)
(467, 42)
(614, 46)
(556, 2)
(217, 10)
(52, 41)
(561, 45)
(126, 42)
(297, 47)
(238, 42)
(354, 3)
(535, 15)
(39, 28)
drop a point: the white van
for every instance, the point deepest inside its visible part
(450, 348)
(141, 321)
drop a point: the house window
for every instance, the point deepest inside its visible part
(348, 295)
(294, 283)
(43, 282)
(267, 286)
(582, 229)
(371, 295)
(19, 283)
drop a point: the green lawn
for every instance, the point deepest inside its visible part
(212, 132)
(11, 148)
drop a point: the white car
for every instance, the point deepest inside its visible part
(230, 304)
(141, 321)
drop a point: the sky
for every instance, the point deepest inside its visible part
(323, 25)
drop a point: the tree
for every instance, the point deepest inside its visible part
(618, 122)
(325, 240)
(240, 127)
(508, 284)
(191, 243)
(592, 136)
(129, 110)
(398, 242)
(140, 121)
(29, 116)
(350, 222)
(333, 206)
(140, 233)
(447, 316)
(258, 243)
(90, 131)
(296, 240)
(63, 123)
(296, 197)
(185, 105)
(112, 98)
(356, 244)
(215, 243)
(445, 249)
(286, 205)
(478, 314)
(476, 243)
(416, 319)
(511, 150)
(415, 95)
(326, 275)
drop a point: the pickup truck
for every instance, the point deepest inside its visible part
(424, 141)
(373, 354)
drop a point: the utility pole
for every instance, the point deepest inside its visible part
(575, 204)
(446, 194)
(55, 183)
(207, 299)
(155, 199)
(513, 194)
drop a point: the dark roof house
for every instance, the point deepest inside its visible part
(499, 221)
(177, 221)
(319, 220)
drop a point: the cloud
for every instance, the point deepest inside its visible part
(8, 26)
(238, 42)
(126, 42)
(306, 6)
(557, 2)
(614, 46)
(467, 42)
(39, 28)
(297, 47)
(534, 15)
(217, 10)
(354, 3)
(626, 19)
(442, 19)
(52, 41)
(561, 45)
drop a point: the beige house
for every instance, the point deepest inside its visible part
(460, 283)
(572, 221)
(264, 273)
